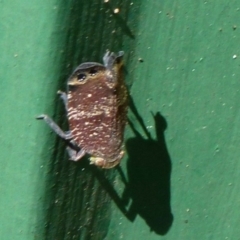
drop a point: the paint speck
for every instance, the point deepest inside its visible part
(234, 56)
(217, 149)
(106, 1)
(140, 60)
(89, 95)
(116, 10)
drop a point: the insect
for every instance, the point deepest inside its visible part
(96, 105)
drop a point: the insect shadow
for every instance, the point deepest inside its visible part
(148, 172)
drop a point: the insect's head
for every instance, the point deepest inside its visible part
(86, 72)
(95, 71)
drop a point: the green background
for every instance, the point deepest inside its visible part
(182, 70)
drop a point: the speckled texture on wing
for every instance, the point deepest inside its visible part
(97, 108)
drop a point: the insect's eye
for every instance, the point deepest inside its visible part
(81, 76)
(93, 71)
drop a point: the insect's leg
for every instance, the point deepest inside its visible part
(63, 96)
(74, 154)
(109, 58)
(55, 127)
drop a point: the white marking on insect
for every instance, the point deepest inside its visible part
(88, 114)
(78, 133)
(72, 111)
(74, 116)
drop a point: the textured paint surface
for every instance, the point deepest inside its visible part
(183, 163)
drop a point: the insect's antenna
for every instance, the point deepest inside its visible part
(139, 118)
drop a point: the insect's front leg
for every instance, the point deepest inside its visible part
(55, 127)
(63, 96)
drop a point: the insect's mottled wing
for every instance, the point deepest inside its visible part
(97, 106)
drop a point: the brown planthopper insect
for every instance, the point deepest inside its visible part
(96, 105)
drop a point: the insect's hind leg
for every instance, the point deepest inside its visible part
(55, 127)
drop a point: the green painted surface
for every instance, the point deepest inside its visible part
(187, 169)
